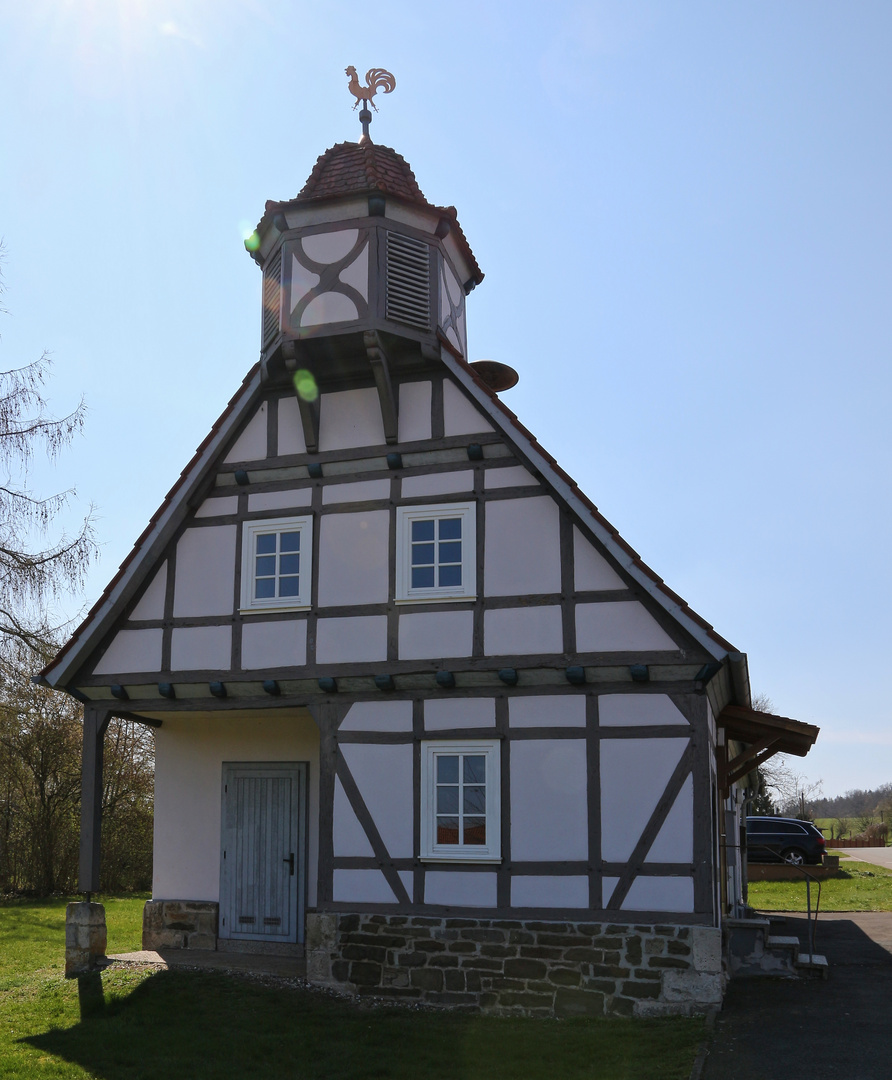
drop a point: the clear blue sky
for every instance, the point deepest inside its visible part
(683, 214)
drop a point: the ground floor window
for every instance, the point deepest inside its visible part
(460, 801)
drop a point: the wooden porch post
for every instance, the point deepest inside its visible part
(95, 722)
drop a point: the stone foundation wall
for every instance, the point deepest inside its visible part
(179, 924)
(511, 967)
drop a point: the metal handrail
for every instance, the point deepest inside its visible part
(809, 878)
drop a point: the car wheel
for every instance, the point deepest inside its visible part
(793, 856)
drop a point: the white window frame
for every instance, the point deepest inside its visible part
(431, 851)
(405, 516)
(250, 531)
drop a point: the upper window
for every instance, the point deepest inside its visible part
(436, 552)
(460, 801)
(277, 559)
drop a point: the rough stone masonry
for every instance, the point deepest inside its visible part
(516, 967)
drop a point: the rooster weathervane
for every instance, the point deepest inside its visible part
(376, 79)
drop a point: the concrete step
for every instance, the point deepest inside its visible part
(752, 951)
(813, 966)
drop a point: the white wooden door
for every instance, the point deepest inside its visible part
(262, 880)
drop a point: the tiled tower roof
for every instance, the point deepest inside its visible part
(356, 168)
(368, 168)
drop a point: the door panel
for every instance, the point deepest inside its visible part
(263, 856)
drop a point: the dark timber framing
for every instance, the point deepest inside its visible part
(447, 462)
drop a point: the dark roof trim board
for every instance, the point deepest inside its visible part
(585, 509)
(174, 508)
(154, 537)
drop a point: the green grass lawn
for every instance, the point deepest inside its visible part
(194, 1026)
(858, 887)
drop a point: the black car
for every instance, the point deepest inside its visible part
(776, 839)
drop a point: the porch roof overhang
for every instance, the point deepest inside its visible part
(763, 735)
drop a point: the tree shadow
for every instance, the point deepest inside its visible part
(192, 1024)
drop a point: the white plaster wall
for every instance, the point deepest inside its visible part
(361, 887)
(549, 891)
(274, 644)
(565, 710)
(348, 835)
(441, 714)
(593, 571)
(280, 500)
(383, 775)
(251, 444)
(655, 894)
(329, 247)
(302, 280)
(436, 634)
(356, 273)
(353, 558)
(379, 716)
(635, 710)
(189, 756)
(291, 432)
(357, 491)
(549, 814)
(522, 630)
(131, 650)
(634, 774)
(437, 483)
(415, 411)
(523, 553)
(511, 476)
(205, 572)
(675, 841)
(329, 307)
(625, 626)
(218, 507)
(151, 604)
(201, 648)
(350, 418)
(460, 888)
(360, 639)
(460, 416)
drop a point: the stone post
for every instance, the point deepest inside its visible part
(86, 938)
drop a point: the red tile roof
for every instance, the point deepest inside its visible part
(368, 168)
(352, 168)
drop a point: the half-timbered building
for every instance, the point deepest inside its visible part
(420, 711)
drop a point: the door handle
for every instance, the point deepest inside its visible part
(290, 860)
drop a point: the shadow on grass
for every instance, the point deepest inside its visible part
(196, 1025)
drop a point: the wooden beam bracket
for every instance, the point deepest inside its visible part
(377, 355)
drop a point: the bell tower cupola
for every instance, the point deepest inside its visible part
(359, 259)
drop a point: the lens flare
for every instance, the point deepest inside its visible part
(305, 385)
(252, 241)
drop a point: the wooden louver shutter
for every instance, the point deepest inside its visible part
(408, 281)
(272, 298)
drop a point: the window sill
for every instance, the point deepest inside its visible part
(273, 609)
(468, 599)
(487, 860)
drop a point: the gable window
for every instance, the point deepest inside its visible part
(460, 818)
(436, 552)
(277, 557)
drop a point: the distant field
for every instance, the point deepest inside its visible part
(830, 826)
